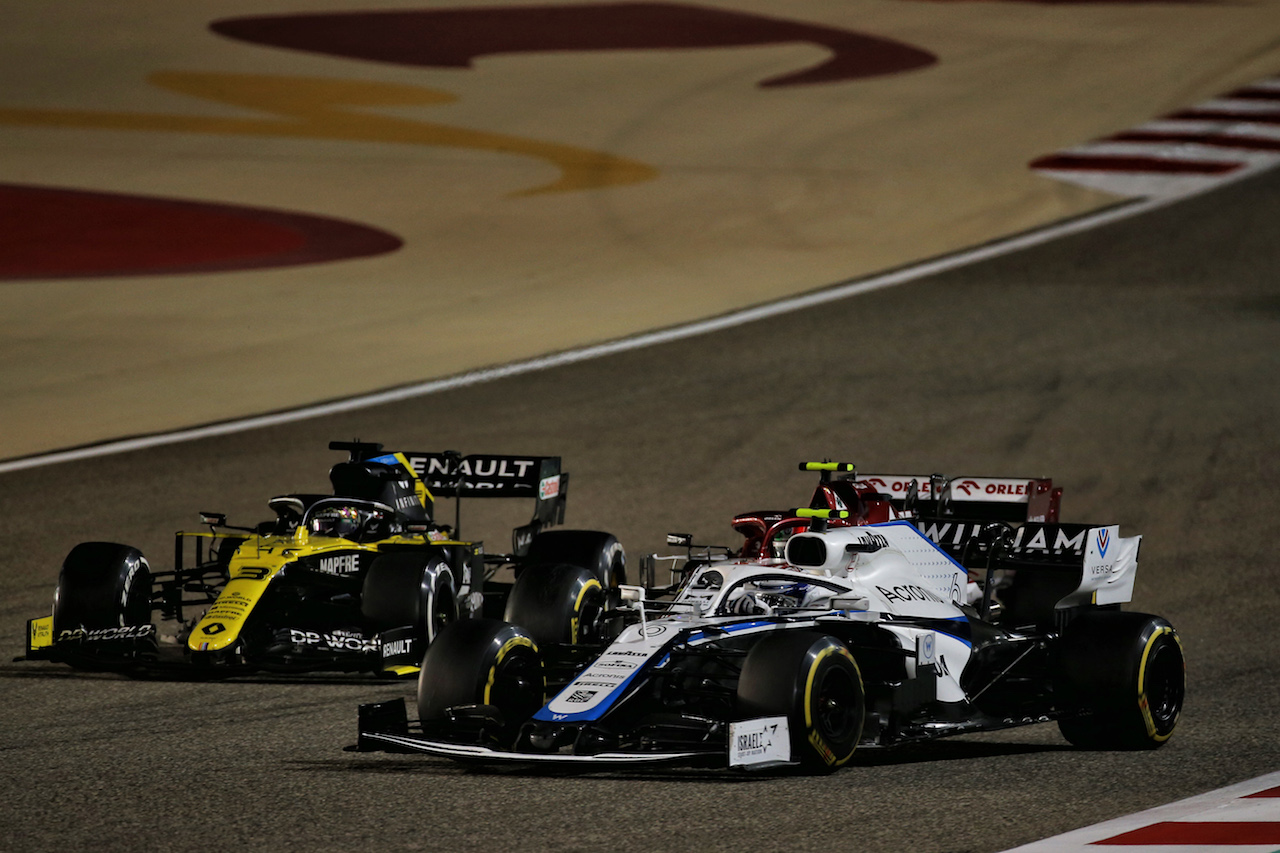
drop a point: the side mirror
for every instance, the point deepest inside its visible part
(631, 593)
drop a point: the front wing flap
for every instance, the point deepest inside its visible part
(484, 754)
(384, 726)
(127, 645)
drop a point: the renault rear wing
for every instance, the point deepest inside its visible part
(488, 475)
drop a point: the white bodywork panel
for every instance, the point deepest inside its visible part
(759, 743)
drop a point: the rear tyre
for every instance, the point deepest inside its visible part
(813, 681)
(407, 589)
(598, 552)
(557, 605)
(1125, 673)
(482, 662)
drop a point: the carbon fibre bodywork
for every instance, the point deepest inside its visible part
(359, 580)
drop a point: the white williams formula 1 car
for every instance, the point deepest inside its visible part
(861, 635)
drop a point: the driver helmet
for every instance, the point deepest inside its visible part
(345, 521)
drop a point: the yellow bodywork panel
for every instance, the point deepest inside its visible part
(221, 625)
(253, 568)
(39, 633)
(403, 671)
(420, 490)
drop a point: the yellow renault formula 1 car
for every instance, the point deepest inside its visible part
(360, 580)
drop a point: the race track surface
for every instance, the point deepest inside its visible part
(1136, 365)
(214, 210)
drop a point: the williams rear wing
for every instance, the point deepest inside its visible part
(1052, 566)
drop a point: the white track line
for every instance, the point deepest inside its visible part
(826, 295)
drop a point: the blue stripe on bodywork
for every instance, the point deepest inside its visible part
(932, 544)
(727, 629)
(950, 628)
(548, 716)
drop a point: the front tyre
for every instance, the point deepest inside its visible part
(812, 680)
(1126, 676)
(102, 585)
(557, 605)
(594, 550)
(482, 662)
(102, 607)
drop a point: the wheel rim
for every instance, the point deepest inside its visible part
(588, 616)
(443, 614)
(589, 623)
(1164, 686)
(441, 609)
(836, 706)
(517, 685)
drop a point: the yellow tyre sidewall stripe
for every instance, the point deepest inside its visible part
(1143, 705)
(814, 738)
(577, 608)
(506, 649)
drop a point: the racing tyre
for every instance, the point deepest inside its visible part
(103, 587)
(1125, 672)
(482, 662)
(600, 553)
(813, 681)
(557, 605)
(407, 589)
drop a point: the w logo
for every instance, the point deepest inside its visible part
(1104, 541)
